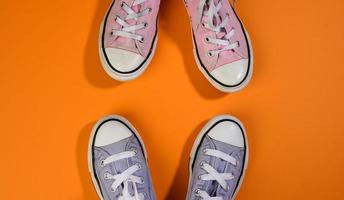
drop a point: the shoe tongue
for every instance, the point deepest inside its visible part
(127, 43)
(136, 8)
(216, 20)
(214, 186)
(118, 168)
(227, 168)
(121, 165)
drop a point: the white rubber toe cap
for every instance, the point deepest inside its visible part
(232, 73)
(122, 60)
(111, 132)
(228, 132)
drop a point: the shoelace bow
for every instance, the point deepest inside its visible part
(125, 177)
(222, 38)
(212, 174)
(128, 30)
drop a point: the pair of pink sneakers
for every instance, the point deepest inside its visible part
(222, 48)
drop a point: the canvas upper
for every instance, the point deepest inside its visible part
(128, 35)
(227, 60)
(116, 149)
(225, 139)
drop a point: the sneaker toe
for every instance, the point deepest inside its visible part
(231, 74)
(110, 132)
(228, 132)
(123, 60)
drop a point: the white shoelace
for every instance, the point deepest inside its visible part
(212, 174)
(127, 30)
(125, 177)
(212, 14)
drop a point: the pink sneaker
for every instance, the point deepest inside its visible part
(222, 47)
(128, 37)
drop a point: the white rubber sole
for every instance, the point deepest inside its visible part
(119, 76)
(211, 80)
(198, 140)
(90, 147)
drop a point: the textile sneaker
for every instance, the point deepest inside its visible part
(128, 37)
(218, 160)
(117, 161)
(221, 45)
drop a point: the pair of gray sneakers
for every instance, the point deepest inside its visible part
(117, 161)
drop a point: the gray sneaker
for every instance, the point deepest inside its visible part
(218, 160)
(117, 161)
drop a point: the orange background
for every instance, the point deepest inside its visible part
(53, 89)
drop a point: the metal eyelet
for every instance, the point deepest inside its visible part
(197, 191)
(145, 24)
(122, 4)
(106, 176)
(206, 39)
(138, 165)
(227, 188)
(102, 163)
(112, 190)
(210, 54)
(142, 180)
(199, 177)
(150, 10)
(135, 151)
